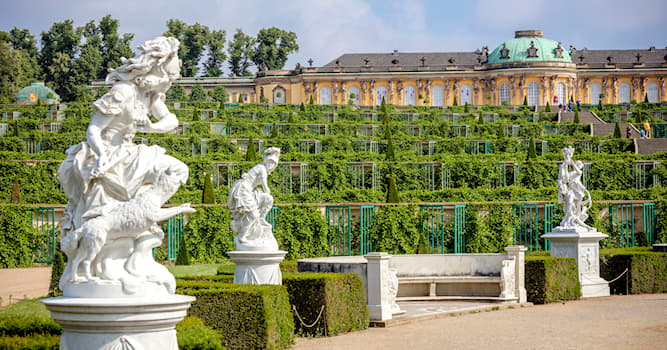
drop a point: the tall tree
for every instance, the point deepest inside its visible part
(24, 43)
(273, 47)
(89, 65)
(216, 54)
(241, 49)
(59, 46)
(194, 39)
(113, 45)
(11, 73)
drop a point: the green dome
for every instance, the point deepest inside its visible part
(37, 92)
(547, 50)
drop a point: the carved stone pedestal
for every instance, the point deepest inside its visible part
(257, 267)
(119, 323)
(582, 245)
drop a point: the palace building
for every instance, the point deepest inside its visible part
(528, 66)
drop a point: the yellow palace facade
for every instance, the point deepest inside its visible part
(527, 66)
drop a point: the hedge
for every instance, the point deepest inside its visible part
(192, 334)
(647, 271)
(17, 236)
(342, 295)
(34, 342)
(247, 316)
(551, 279)
(302, 231)
(28, 330)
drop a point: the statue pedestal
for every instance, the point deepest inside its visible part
(582, 245)
(257, 267)
(119, 323)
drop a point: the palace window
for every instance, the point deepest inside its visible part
(353, 95)
(560, 92)
(279, 95)
(409, 95)
(504, 92)
(325, 95)
(466, 94)
(623, 93)
(380, 93)
(438, 95)
(652, 92)
(533, 93)
(596, 90)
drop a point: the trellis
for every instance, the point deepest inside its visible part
(365, 223)
(526, 230)
(45, 221)
(340, 238)
(622, 224)
(428, 173)
(641, 174)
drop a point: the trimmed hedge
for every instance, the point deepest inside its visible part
(193, 335)
(34, 342)
(551, 279)
(342, 295)
(28, 330)
(247, 316)
(647, 271)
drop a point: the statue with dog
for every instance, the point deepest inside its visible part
(116, 188)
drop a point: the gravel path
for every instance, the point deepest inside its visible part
(22, 283)
(616, 322)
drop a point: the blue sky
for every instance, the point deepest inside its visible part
(328, 28)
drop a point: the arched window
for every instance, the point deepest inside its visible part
(596, 90)
(279, 95)
(325, 95)
(380, 92)
(533, 93)
(353, 95)
(560, 92)
(438, 95)
(466, 94)
(652, 92)
(504, 93)
(623, 92)
(409, 95)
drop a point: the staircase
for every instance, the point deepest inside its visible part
(584, 118)
(608, 129)
(650, 146)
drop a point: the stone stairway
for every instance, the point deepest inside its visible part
(650, 146)
(584, 118)
(608, 129)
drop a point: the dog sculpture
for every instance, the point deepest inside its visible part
(127, 220)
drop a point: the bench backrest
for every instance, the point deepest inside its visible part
(447, 264)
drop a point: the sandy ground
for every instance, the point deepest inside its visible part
(616, 322)
(24, 283)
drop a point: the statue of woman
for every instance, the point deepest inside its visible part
(108, 169)
(249, 205)
(572, 192)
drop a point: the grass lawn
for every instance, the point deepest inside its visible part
(25, 307)
(197, 270)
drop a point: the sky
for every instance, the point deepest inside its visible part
(328, 28)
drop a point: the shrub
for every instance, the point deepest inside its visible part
(342, 296)
(302, 231)
(617, 131)
(208, 195)
(392, 191)
(647, 271)
(182, 258)
(251, 155)
(489, 228)
(193, 335)
(57, 269)
(209, 234)
(576, 117)
(395, 230)
(551, 279)
(246, 316)
(17, 236)
(34, 342)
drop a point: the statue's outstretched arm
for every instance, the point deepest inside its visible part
(167, 121)
(95, 142)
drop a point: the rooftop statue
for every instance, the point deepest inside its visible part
(116, 188)
(571, 192)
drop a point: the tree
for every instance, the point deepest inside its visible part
(90, 63)
(57, 269)
(216, 54)
(59, 46)
(617, 131)
(193, 39)
(241, 50)
(525, 101)
(240, 101)
(220, 94)
(646, 98)
(547, 107)
(11, 74)
(208, 195)
(197, 93)
(311, 101)
(456, 103)
(273, 47)
(177, 93)
(576, 117)
(183, 256)
(466, 109)
(391, 155)
(481, 118)
(392, 191)
(532, 153)
(23, 42)
(501, 131)
(274, 131)
(302, 108)
(195, 115)
(60, 76)
(113, 46)
(251, 155)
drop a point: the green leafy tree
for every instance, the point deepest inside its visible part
(481, 118)
(12, 76)
(576, 117)
(216, 54)
(646, 98)
(59, 45)
(195, 115)
(392, 191)
(532, 153)
(23, 42)
(241, 50)
(251, 155)
(302, 108)
(197, 93)
(501, 131)
(456, 103)
(240, 101)
(525, 101)
(194, 39)
(114, 46)
(617, 131)
(90, 63)
(177, 93)
(220, 95)
(208, 195)
(311, 101)
(273, 47)
(57, 269)
(61, 78)
(183, 256)
(391, 155)
(274, 131)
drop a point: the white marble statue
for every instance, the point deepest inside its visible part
(572, 193)
(249, 206)
(116, 188)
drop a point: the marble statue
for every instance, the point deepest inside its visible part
(116, 188)
(572, 193)
(249, 206)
